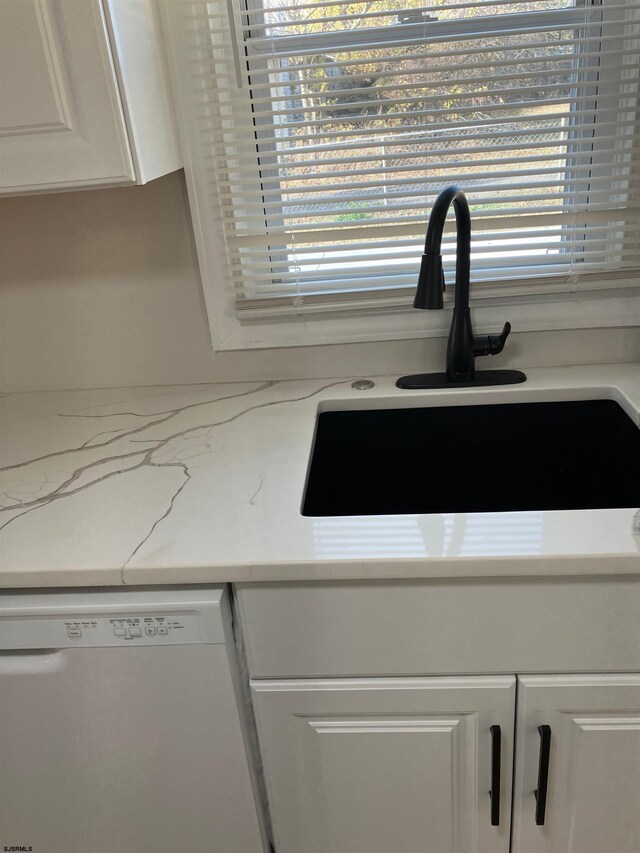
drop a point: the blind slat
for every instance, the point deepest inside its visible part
(498, 221)
(580, 137)
(285, 194)
(386, 15)
(605, 114)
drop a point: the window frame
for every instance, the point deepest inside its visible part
(601, 301)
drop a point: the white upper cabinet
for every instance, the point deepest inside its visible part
(84, 95)
(388, 765)
(587, 772)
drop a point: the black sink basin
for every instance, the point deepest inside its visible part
(497, 458)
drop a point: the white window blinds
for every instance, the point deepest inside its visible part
(328, 129)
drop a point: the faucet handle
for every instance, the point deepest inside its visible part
(497, 342)
(491, 344)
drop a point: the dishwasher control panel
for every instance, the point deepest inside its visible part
(119, 629)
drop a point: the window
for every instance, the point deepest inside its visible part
(329, 128)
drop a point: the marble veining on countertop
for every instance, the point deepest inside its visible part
(204, 483)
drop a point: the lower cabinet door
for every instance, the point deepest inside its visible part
(388, 765)
(577, 780)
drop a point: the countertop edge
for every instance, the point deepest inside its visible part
(587, 565)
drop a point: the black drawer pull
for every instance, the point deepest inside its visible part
(494, 793)
(543, 774)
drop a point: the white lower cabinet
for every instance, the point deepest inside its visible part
(406, 765)
(589, 725)
(388, 765)
(362, 756)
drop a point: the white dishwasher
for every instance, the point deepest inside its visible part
(119, 725)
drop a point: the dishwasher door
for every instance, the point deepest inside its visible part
(132, 747)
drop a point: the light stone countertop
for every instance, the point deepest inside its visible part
(199, 484)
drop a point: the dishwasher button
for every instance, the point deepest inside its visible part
(74, 633)
(162, 629)
(135, 632)
(119, 632)
(150, 630)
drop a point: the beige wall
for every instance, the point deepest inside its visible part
(101, 288)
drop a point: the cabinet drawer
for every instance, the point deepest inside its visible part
(441, 627)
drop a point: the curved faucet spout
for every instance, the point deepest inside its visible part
(433, 241)
(431, 278)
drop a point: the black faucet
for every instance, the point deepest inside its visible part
(463, 347)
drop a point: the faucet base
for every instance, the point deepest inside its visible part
(482, 377)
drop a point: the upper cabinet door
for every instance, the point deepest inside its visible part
(71, 75)
(387, 765)
(588, 727)
(61, 117)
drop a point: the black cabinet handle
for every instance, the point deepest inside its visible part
(494, 793)
(543, 774)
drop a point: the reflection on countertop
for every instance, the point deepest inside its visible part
(446, 535)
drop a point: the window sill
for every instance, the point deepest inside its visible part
(579, 310)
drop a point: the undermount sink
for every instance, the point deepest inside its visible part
(483, 458)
